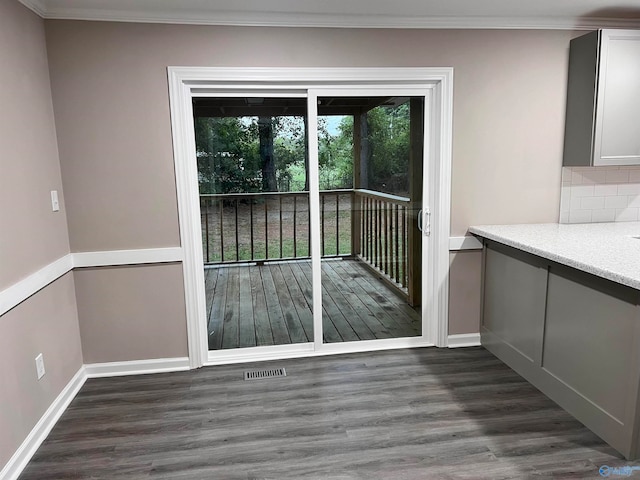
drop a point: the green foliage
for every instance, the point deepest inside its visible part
(229, 161)
(289, 152)
(389, 145)
(335, 155)
(228, 152)
(228, 155)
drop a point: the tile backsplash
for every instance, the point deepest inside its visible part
(600, 194)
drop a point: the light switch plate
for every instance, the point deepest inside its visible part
(40, 366)
(55, 204)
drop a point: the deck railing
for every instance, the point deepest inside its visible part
(256, 227)
(259, 227)
(384, 232)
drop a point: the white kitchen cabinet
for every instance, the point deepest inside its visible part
(603, 99)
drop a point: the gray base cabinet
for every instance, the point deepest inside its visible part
(574, 336)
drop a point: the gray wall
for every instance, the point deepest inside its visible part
(113, 133)
(112, 114)
(46, 323)
(111, 302)
(111, 109)
(464, 299)
(31, 235)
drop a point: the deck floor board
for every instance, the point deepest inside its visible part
(272, 305)
(300, 302)
(218, 299)
(366, 315)
(231, 322)
(247, 333)
(291, 317)
(261, 319)
(378, 304)
(210, 279)
(274, 310)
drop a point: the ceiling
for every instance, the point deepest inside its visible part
(538, 14)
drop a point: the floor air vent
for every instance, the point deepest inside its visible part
(268, 373)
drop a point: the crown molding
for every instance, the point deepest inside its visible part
(284, 19)
(37, 6)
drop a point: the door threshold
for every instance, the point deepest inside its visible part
(302, 350)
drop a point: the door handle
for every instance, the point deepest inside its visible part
(424, 221)
(427, 228)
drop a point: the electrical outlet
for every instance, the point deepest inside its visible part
(55, 204)
(40, 366)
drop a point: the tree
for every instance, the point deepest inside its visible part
(389, 147)
(227, 155)
(335, 154)
(290, 151)
(247, 154)
(265, 132)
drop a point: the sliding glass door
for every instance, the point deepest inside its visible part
(312, 219)
(254, 205)
(370, 151)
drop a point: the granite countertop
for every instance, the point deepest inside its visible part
(607, 250)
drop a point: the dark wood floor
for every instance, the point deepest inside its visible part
(271, 304)
(407, 414)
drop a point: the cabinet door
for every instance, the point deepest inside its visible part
(514, 301)
(617, 132)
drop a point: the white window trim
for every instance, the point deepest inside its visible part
(186, 82)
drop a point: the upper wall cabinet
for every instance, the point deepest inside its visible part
(603, 99)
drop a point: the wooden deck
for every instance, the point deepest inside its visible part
(270, 304)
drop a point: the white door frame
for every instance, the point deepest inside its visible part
(188, 82)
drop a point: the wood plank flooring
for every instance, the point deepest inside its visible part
(271, 305)
(405, 414)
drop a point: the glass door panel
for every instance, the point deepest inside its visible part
(254, 202)
(370, 161)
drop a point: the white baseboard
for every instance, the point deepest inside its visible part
(136, 367)
(38, 434)
(19, 460)
(463, 340)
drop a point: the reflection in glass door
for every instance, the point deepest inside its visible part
(370, 160)
(254, 204)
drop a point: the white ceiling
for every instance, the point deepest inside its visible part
(554, 14)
